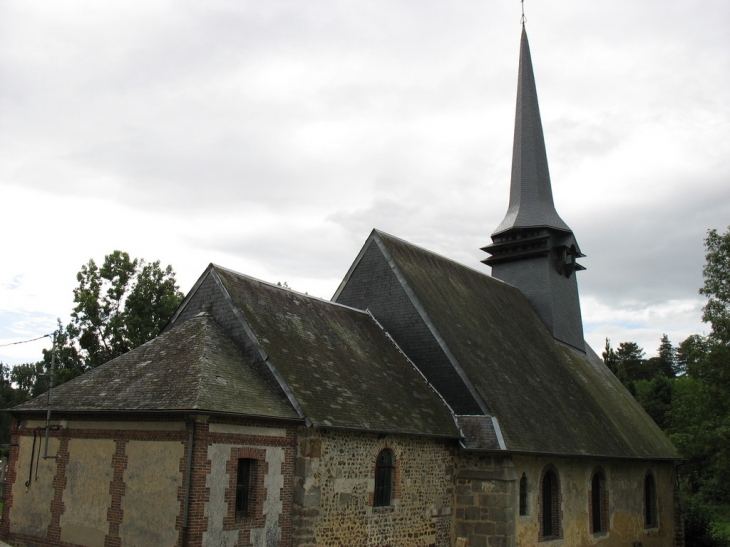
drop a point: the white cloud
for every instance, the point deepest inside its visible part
(272, 137)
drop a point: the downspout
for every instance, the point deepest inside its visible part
(188, 472)
(50, 389)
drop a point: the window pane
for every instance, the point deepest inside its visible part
(596, 503)
(243, 486)
(383, 479)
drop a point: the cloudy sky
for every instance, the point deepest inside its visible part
(271, 137)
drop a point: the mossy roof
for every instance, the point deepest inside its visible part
(341, 367)
(547, 398)
(194, 366)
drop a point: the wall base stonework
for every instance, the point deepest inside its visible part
(485, 500)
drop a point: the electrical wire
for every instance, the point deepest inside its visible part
(26, 341)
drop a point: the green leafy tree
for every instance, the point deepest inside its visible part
(30, 379)
(717, 285)
(150, 304)
(655, 396)
(120, 306)
(700, 415)
(9, 397)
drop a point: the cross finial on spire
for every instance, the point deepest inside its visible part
(523, 19)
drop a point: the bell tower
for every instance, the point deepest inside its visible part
(533, 249)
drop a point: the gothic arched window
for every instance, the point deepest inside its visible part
(523, 495)
(599, 503)
(650, 513)
(384, 471)
(550, 506)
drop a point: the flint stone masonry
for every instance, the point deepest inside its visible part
(334, 488)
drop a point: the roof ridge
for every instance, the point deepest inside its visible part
(438, 255)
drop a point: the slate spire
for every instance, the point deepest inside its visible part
(531, 196)
(533, 248)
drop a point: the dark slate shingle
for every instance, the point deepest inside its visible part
(547, 397)
(193, 366)
(341, 366)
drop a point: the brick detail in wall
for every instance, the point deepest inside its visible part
(115, 514)
(255, 446)
(59, 483)
(241, 446)
(10, 480)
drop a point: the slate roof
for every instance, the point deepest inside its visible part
(194, 366)
(547, 398)
(336, 364)
(339, 364)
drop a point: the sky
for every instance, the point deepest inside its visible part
(272, 137)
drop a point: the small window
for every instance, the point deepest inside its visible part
(384, 471)
(523, 495)
(243, 486)
(650, 513)
(599, 503)
(550, 506)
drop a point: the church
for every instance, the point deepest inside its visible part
(427, 404)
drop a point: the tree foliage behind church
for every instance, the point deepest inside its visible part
(686, 389)
(117, 307)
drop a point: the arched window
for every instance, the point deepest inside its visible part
(384, 471)
(650, 513)
(599, 503)
(550, 506)
(523, 495)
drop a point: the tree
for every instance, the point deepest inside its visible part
(150, 304)
(609, 357)
(631, 359)
(30, 379)
(120, 306)
(700, 416)
(9, 397)
(667, 363)
(655, 396)
(717, 285)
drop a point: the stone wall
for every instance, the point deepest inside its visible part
(625, 496)
(334, 486)
(121, 481)
(485, 501)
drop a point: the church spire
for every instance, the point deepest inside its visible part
(531, 196)
(533, 249)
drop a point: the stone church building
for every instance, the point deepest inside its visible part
(427, 405)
